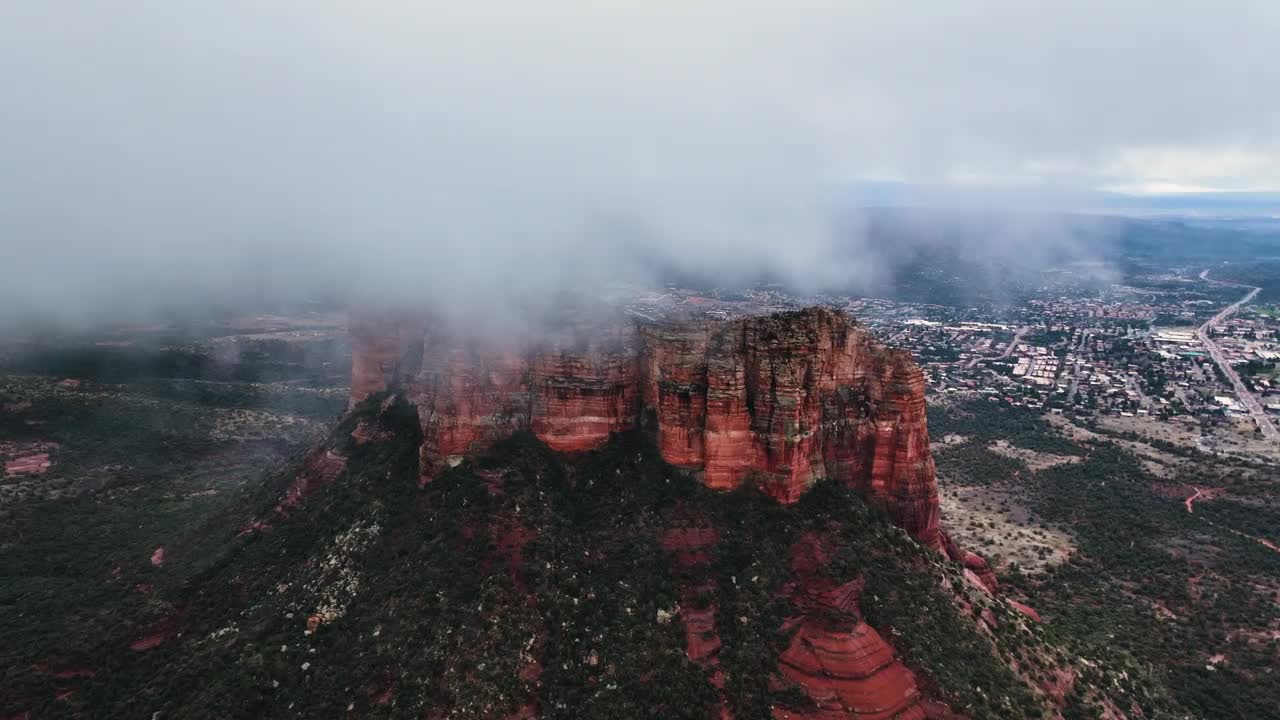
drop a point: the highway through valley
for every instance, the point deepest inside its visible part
(1246, 398)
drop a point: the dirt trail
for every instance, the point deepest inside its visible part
(1192, 498)
(1261, 541)
(1199, 493)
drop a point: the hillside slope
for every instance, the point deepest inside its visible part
(525, 583)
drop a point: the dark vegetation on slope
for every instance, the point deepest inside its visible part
(1178, 590)
(988, 422)
(1161, 582)
(1263, 274)
(526, 579)
(138, 463)
(192, 357)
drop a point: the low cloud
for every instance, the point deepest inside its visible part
(160, 156)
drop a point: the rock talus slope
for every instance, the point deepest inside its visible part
(781, 400)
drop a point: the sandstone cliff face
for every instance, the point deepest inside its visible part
(783, 400)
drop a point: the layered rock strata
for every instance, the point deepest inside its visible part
(781, 400)
(843, 665)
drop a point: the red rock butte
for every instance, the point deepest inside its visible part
(782, 400)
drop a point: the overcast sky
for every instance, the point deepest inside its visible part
(152, 147)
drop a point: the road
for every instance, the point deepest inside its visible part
(1242, 393)
(1075, 369)
(1136, 386)
(1017, 338)
(1013, 344)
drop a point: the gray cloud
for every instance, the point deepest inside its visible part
(155, 151)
